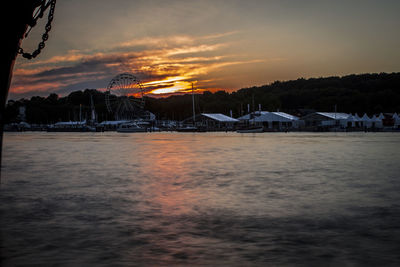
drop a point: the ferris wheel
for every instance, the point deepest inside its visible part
(124, 97)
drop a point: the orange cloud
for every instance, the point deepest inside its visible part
(165, 65)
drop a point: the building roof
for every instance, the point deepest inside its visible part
(352, 118)
(276, 116)
(219, 117)
(286, 115)
(365, 117)
(255, 114)
(334, 115)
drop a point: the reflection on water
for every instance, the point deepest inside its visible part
(200, 199)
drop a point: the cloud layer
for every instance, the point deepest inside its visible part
(164, 65)
(224, 44)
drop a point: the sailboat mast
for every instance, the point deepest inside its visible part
(92, 109)
(194, 115)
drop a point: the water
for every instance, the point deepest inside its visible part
(162, 199)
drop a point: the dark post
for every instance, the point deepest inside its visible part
(15, 20)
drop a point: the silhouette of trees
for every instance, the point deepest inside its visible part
(371, 93)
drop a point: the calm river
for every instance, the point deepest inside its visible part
(187, 199)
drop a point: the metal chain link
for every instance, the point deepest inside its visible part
(45, 35)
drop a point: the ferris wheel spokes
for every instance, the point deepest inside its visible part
(124, 96)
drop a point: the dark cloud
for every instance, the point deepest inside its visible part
(169, 62)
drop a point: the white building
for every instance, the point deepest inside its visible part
(376, 122)
(396, 119)
(328, 119)
(352, 121)
(366, 121)
(272, 120)
(252, 115)
(212, 121)
(278, 120)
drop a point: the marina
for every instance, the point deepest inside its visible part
(255, 122)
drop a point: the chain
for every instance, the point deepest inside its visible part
(45, 35)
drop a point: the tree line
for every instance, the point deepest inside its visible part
(370, 93)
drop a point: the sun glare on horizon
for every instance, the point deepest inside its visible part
(169, 85)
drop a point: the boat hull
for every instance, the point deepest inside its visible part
(141, 130)
(69, 130)
(187, 129)
(252, 130)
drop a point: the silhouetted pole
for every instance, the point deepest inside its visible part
(194, 113)
(17, 16)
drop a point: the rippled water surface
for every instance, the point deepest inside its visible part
(162, 199)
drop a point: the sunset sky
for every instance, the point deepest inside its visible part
(216, 44)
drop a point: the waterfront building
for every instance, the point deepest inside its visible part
(396, 119)
(357, 121)
(278, 121)
(212, 122)
(326, 120)
(376, 122)
(366, 121)
(252, 115)
(271, 121)
(352, 122)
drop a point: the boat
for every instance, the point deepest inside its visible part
(70, 126)
(251, 130)
(131, 128)
(187, 129)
